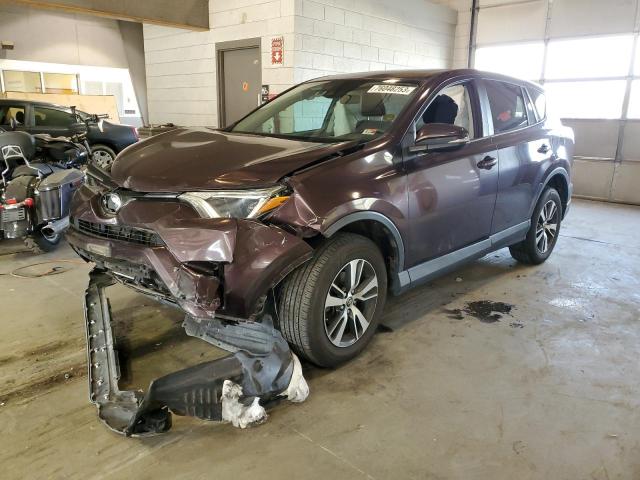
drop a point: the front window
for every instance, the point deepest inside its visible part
(451, 106)
(331, 111)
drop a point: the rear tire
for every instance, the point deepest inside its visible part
(543, 232)
(329, 307)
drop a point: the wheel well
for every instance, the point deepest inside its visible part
(560, 184)
(382, 237)
(103, 144)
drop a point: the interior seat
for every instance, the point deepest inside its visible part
(372, 106)
(443, 109)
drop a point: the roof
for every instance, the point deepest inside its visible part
(423, 75)
(33, 102)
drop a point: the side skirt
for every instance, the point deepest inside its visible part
(431, 269)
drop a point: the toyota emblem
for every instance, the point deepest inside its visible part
(111, 203)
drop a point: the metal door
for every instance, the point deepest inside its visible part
(242, 82)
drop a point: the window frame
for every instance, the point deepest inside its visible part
(480, 125)
(489, 114)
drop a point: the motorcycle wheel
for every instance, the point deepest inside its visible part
(41, 243)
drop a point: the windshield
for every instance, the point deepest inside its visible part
(331, 111)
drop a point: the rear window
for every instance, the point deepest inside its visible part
(508, 110)
(539, 102)
(11, 112)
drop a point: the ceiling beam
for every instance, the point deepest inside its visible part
(189, 14)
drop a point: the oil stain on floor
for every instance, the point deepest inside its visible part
(484, 310)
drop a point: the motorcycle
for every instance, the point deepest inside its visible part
(40, 175)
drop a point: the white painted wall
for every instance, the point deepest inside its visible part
(181, 65)
(57, 37)
(320, 37)
(57, 42)
(336, 36)
(463, 27)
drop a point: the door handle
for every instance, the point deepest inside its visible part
(544, 148)
(487, 163)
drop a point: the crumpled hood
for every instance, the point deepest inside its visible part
(206, 159)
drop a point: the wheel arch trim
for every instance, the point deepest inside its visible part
(554, 173)
(376, 217)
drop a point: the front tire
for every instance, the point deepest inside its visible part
(329, 307)
(543, 232)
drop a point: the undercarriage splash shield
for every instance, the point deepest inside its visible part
(261, 369)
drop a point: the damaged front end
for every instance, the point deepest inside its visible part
(261, 368)
(220, 272)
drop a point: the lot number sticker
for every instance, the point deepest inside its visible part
(393, 89)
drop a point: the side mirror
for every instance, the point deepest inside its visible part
(438, 137)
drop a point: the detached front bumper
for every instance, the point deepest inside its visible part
(261, 368)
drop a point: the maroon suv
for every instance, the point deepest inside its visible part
(299, 219)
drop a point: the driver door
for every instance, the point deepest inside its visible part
(452, 194)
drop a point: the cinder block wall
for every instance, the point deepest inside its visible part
(336, 36)
(320, 37)
(463, 28)
(181, 64)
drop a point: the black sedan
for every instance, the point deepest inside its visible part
(105, 138)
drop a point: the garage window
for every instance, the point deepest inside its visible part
(589, 57)
(19, 81)
(595, 99)
(60, 83)
(49, 117)
(523, 60)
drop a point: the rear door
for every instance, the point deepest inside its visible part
(54, 121)
(522, 144)
(451, 194)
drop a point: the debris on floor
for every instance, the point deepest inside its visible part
(235, 412)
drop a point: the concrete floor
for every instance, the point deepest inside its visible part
(549, 391)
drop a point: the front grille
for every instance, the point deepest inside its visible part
(138, 236)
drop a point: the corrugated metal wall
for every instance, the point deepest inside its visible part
(607, 134)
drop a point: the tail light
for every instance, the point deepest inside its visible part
(28, 202)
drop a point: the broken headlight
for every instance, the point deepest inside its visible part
(235, 203)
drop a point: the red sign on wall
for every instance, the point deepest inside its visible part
(277, 51)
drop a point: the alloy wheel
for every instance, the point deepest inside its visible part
(102, 159)
(350, 303)
(547, 226)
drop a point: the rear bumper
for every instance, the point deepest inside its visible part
(260, 369)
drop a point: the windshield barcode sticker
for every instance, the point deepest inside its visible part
(394, 89)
